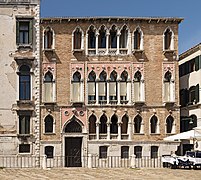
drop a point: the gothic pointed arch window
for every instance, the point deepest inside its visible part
(123, 87)
(48, 38)
(49, 121)
(153, 124)
(24, 83)
(168, 39)
(138, 41)
(114, 125)
(102, 37)
(113, 87)
(92, 124)
(137, 86)
(76, 87)
(124, 126)
(48, 87)
(102, 88)
(77, 39)
(73, 126)
(169, 124)
(113, 37)
(167, 86)
(91, 37)
(103, 124)
(92, 87)
(137, 124)
(123, 41)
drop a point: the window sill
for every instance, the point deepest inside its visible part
(49, 50)
(137, 51)
(24, 46)
(47, 134)
(138, 133)
(78, 50)
(155, 134)
(168, 51)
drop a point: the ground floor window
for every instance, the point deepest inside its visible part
(24, 148)
(154, 151)
(138, 151)
(49, 151)
(103, 151)
(125, 152)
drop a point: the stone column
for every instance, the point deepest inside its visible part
(97, 131)
(119, 131)
(107, 41)
(129, 130)
(89, 161)
(118, 36)
(97, 34)
(129, 92)
(108, 91)
(97, 92)
(108, 131)
(118, 92)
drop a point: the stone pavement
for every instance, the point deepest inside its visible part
(99, 174)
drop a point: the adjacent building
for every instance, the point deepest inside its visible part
(109, 87)
(20, 78)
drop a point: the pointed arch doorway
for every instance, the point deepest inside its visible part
(73, 143)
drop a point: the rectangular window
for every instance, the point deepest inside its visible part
(76, 92)
(103, 152)
(49, 151)
(138, 151)
(24, 30)
(24, 148)
(24, 124)
(125, 152)
(154, 151)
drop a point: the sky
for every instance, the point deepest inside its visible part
(190, 10)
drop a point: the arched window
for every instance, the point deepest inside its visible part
(167, 86)
(193, 121)
(194, 94)
(137, 39)
(113, 87)
(49, 151)
(102, 88)
(77, 39)
(113, 125)
(153, 123)
(24, 83)
(167, 39)
(92, 124)
(102, 37)
(123, 87)
(48, 38)
(113, 37)
(48, 87)
(73, 126)
(91, 38)
(103, 125)
(123, 41)
(137, 86)
(49, 124)
(76, 87)
(92, 87)
(137, 124)
(124, 126)
(169, 124)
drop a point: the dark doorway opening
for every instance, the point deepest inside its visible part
(73, 151)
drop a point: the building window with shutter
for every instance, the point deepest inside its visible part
(124, 152)
(48, 38)
(114, 125)
(138, 151)
(154, 152)
(124, 126)
(48, 87)
(49, 123)
(137, 45)
(24, 32)
(24, 124)
(137, 86)
(24, 83)
(183, 97)
(49, 151)
(92, 88)
(76, 87)
(102, 88)
(113, 87)
(167, 86)
(123, 87)
(169, 124)
(137, 124)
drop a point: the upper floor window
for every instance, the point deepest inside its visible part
(102, 88)
(169, 124)
(113, 37)
(125, 152)
(183, 97)
(24, 148)
(73, 126)
(103, 124)
(76, 87)
(154, 124)
(114, 125)
(137, 86)
(123, 41)
(138, 39)
(24, 124)
(102, 37)
(137, 124)
(49, 124)
(48, 87)
(77, 39)
(49, 151)
(91, 38)
(124, 126)
(24, 83)
(113, 87)
(24, 31)
(92, 124)
(168, 39)
(167, 86)
(194, 94)
(123, 87)
(92, 87)
(48, 38)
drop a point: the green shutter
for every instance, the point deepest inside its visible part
(17, 32)
(197, 63)
(197, 93)
(30, 31)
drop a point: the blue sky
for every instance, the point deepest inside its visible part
(189, 29)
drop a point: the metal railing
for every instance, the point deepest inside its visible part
(83, 161)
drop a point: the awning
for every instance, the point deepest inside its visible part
(188, 135)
